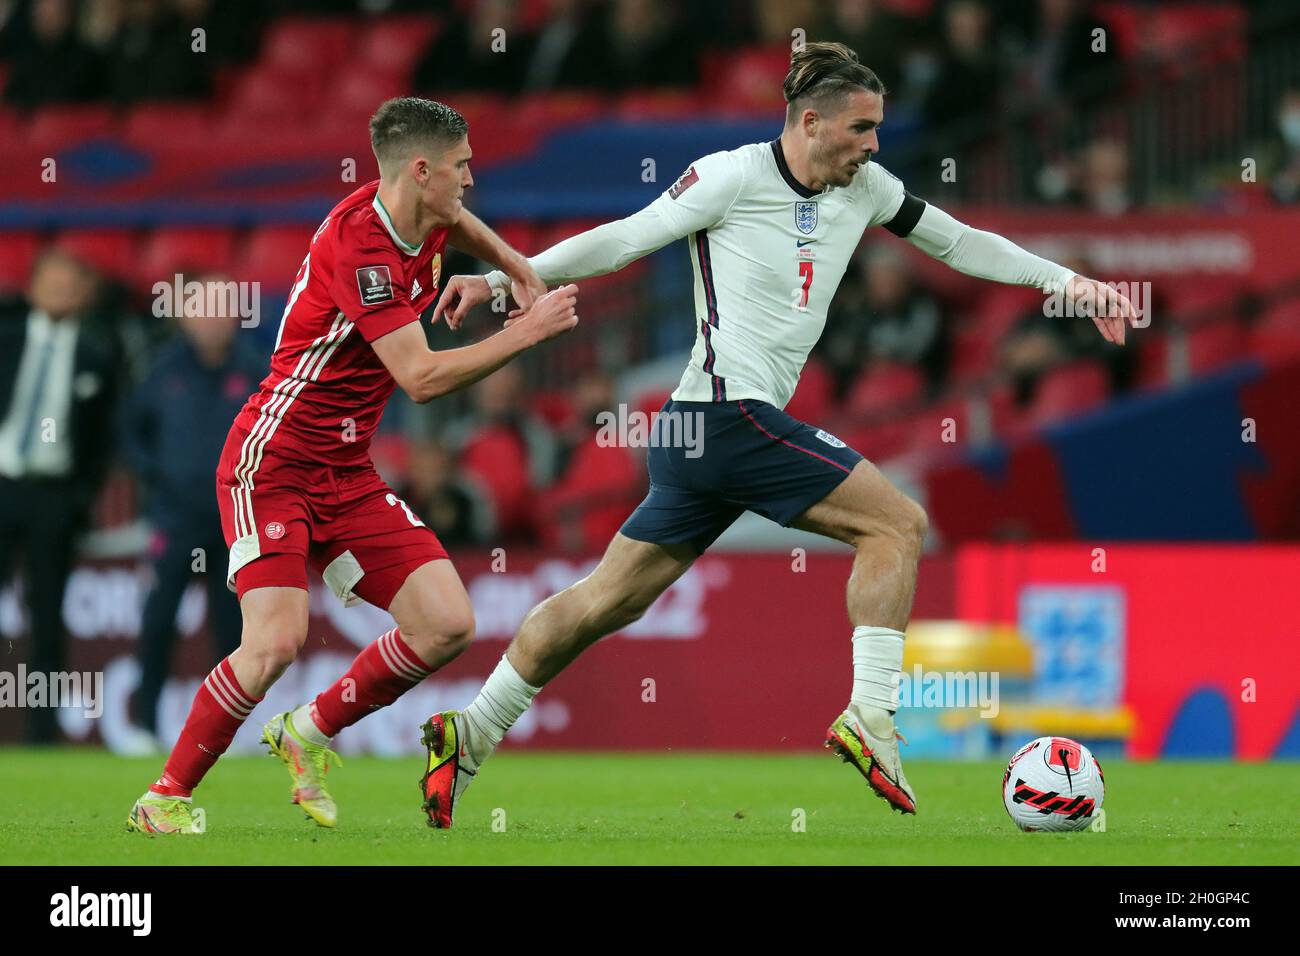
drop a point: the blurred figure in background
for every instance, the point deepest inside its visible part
(58, 383)
(507, 449)
(455, 510)
(152, 56)
(1285, 181)
(883, 314)
(52, 64)
(462, 56)
(600, 484)
(173, 426)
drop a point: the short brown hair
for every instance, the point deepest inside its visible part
(406, 123)
(822, 74)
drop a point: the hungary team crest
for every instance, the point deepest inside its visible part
(805, 217)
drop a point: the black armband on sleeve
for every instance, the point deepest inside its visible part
(908, 215)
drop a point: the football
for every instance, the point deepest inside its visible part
(1053, 784)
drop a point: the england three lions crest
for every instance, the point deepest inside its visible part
(805, 217)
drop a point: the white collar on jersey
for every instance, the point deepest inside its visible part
(405, 246)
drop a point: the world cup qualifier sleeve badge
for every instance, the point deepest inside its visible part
(805, 217)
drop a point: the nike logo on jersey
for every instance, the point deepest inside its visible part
(803, 242)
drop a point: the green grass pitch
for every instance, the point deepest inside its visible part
(68, 807)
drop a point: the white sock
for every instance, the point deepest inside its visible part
(305, 724)
(504, 697)
(877, 667)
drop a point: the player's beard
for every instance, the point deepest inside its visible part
(821, 158)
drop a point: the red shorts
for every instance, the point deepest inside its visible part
(346, 522)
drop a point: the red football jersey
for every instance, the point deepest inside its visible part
(326, 390)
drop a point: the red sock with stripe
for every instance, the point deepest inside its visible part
(219, 710)
(381, 673)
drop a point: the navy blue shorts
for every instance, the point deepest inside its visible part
(732, 457)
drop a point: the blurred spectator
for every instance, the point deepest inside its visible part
(571, 49)
(1285, 182)
(601, 483)
(53, 65)
(462, 56)
(882, 313)
(1102, 179)
(966, 83)
(876, 34)
(173, 426)
(1038, 343)
(453, 509)
(58, 381)
(1061, 57)
(151, 56)
(508, 450)
(648, 46)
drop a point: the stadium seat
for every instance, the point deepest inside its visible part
(186, 250)
(168, 124)
(273, 255)
(17, 252)
(1197, 299)
(394, 44)
(305, 46)
(357, 93)
(498, 459)
(811, 401)
(263, 93)
(113, 252)
(746, 81)
(1153, 370)
(658, 104)
(600, 488)
(1069, 390)
(555, 408)
(884, 385)
(1276, 336)
(57, 127)
(1212, 346)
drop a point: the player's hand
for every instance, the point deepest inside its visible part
(552, 314)
(1109, 310)
(525, 284)
(461, 294)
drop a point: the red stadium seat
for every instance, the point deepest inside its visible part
(271, 94)
(600, 488)
(1276, 336)
(746, 81)
(1197, 299)
(811, 401)
(394, 44)
(189, 251)
(358, 93)
(520, 234)
(1153, 361)
(885, 385)
(56, 127)
(497, 457)
(658, 104)
(302, 46)
(552, 110)
(273, 256)
(17, 252)
(112, 252)
(168, 124)
(554, 408)
(1070, 390)
(1212, 346)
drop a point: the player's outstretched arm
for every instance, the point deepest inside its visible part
(699, 199)
(987, 255)
(424, 374)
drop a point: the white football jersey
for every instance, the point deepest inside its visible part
(768, 255)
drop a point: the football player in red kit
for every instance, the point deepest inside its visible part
(295, 482)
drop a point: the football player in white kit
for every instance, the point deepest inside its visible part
(771, 228)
